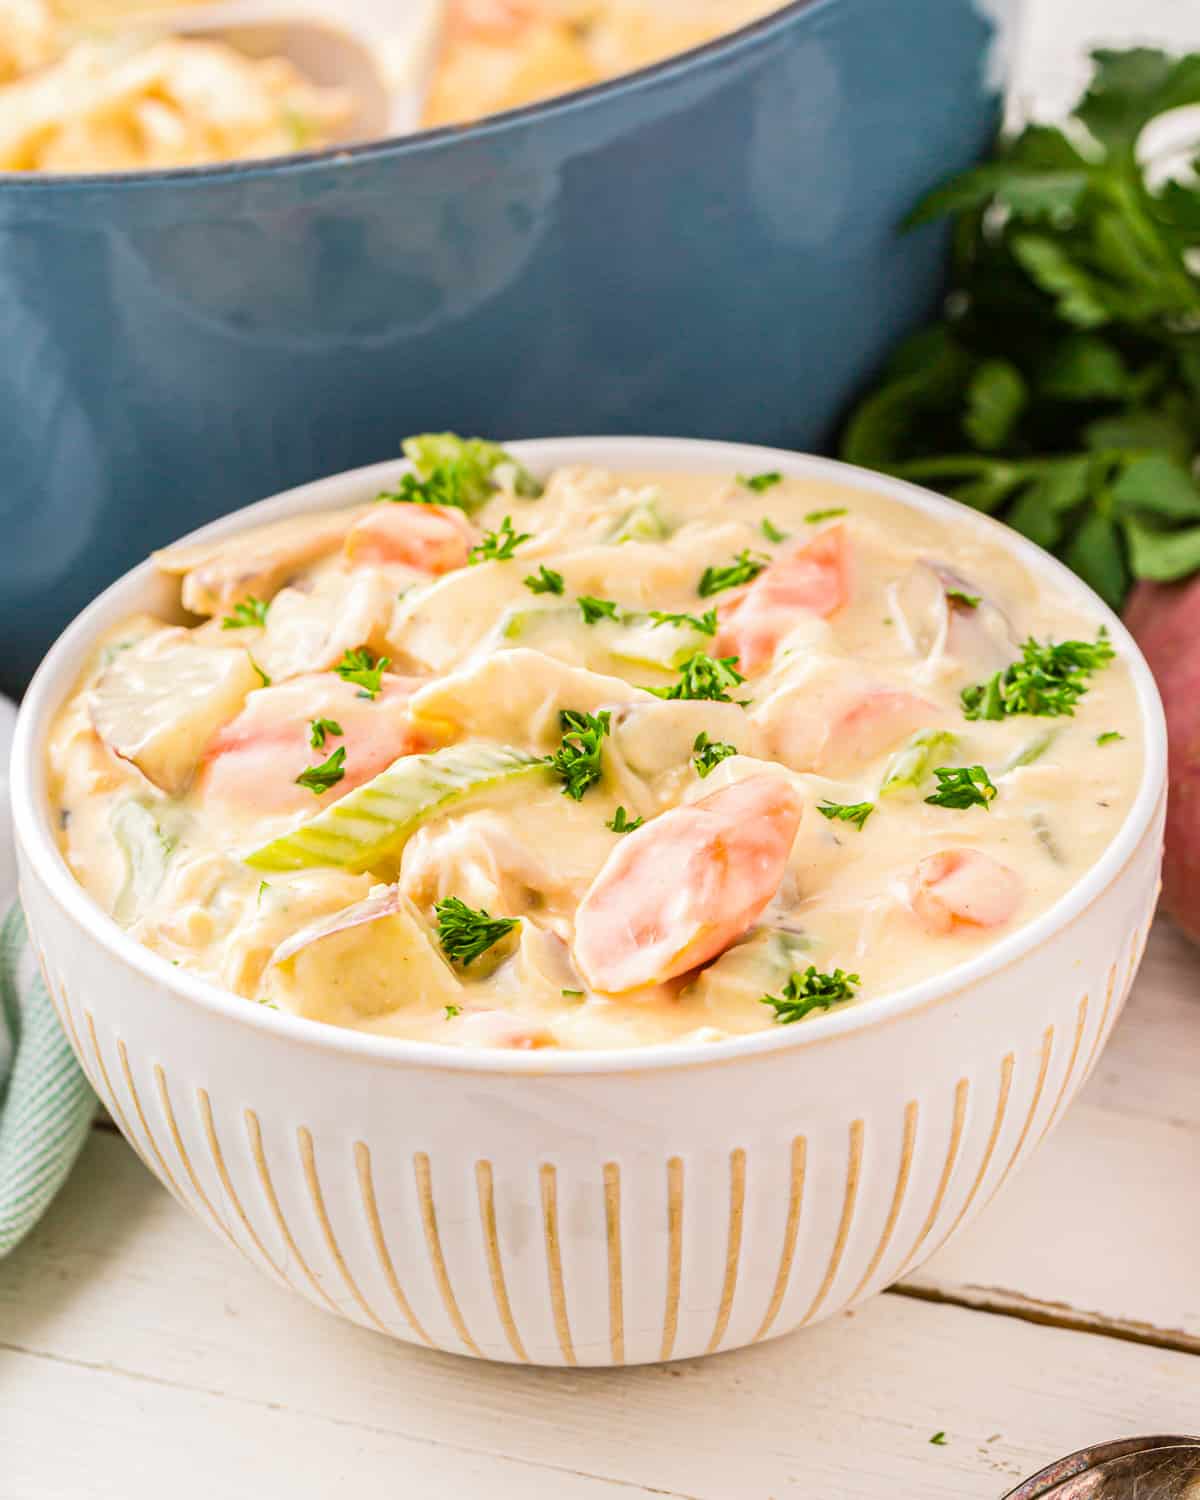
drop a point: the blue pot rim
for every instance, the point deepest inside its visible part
(707, 54)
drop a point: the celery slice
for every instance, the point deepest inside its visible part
(913, 762)
(373, 822)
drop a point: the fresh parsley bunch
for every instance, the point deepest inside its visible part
(1060, 390)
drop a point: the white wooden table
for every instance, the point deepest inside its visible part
(140, 1359)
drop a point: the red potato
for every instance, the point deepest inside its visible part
(253, 761)
(1165, 621)
(433, 538)
(686, 885)
(815, 578)
(963, 888)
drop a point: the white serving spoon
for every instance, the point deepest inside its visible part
(379, 51)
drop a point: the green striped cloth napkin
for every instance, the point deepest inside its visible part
(46, 1104)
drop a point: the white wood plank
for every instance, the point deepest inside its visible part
(194, 1360)
(72, 1432)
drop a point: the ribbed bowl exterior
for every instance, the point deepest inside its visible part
(601, 1218)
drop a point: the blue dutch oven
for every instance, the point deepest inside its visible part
(707, 247)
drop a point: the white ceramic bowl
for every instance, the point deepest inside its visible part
(599, 1208)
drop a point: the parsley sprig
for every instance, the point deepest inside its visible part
(248, 614)
(466, 472)
(814, 517)
(594, 610)
(960, 787)
(1060, 390)
(703, 676)
(708, 754)
(1048, 680)
(808, 990)
(577, 760)
(318, 730)
(544, 581)
(363, 668)
(706, 623)
(847, 812)
(760, 482)
(745, 567)
(319, 779)
(466, 934)
(621, 822)
(499, 545)
(771, 531)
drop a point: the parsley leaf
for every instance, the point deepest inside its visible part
(1048, 680)
(364, 669)
(544, 581)
(498, 546)
(708, 754)
(466, 472)
(703, 676)
(594, 609)
(1109, 737)
(320, 778)
(825, 515)
(621, 822)
(1058, 389)
(810, 990)
(452, 1011)
(961, 787)
(262, 676)
(938, 1439)
(706, 623)
(465, 934)
(745, 567)
(968, 601)
(577, 760)
(248, 613)
(771, 531)
(319, 728)
(847, 812)
(760, 482)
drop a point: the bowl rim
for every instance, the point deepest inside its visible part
(59, 670)
(707, 54)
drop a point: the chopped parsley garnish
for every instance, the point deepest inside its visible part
(968, 601)
(262, 676)
(1048, 680)
(544, 581)
(621, 822)
(760, 482)
(577, 759)
(574, 994)
(706, 623)
(319, 728)
(320, 778)
(961, 787)
(1109, 737)
(704, 676)
(249, 613)
(810, 990)
(825, 515)
(452, 1011)
(364, 669)
(745, 567)
(498, 546)
(450, 470)
(938, 1440)
(594, 609)
(465, 934)
(771, 531)
(262, 886)
(708, 754)
(847, 812)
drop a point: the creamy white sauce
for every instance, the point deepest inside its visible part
(171, 764)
